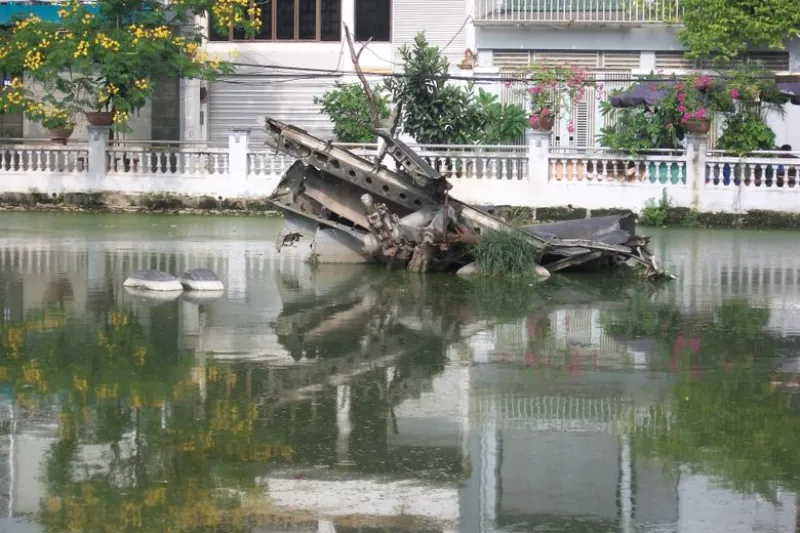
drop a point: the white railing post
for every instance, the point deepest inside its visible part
(538, 166)
(98, 148)
(237, 153)
(696, 149)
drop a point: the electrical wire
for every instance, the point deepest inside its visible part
(320, 72)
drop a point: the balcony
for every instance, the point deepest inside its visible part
(585, 12)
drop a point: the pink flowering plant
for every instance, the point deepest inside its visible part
(694, 95)
(552, 91)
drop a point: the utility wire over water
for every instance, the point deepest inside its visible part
(334, 399)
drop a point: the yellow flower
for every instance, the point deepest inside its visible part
(120, 117)
(141, 84)
(33, 60)
(82, 49)
(141, 353)
(80, 384)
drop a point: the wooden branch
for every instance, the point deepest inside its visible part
(356, 56)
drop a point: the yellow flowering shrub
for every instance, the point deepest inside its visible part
(88, 61)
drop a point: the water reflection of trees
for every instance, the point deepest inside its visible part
(727, 419)
(183, 443)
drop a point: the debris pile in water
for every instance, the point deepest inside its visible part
(358, 210)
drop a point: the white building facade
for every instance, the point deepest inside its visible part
(306, 37)
(615, 40)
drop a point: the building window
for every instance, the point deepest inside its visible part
(374, 20)
(290, 20)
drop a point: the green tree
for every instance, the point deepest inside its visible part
(348, 108)
(108, 57)
(436, 111)
(727, 28)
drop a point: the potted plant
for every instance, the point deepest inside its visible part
(59, 124)
(553, 91)
(693, 95)
(57, 120)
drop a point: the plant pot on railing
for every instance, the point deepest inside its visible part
(698, 126)
(542, 122)
(100, 118)
(61, 133)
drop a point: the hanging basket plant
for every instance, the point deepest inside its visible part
(552, 91)
(100, 118)
(544, 120)
(695, 103)
(698, 126)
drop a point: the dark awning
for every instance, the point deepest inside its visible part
(651, 93)
(791, 89)
(647, 93)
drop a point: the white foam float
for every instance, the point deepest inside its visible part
(201, 297)
(153, 280)
(153, 298)
(201, 279)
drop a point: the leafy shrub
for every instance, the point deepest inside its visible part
(746, 132)
(638, 129)
(435, 111)
(348, 108)
(655, 213)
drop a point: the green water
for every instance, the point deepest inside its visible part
(352, 399)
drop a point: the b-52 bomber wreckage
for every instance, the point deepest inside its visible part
(358, 210)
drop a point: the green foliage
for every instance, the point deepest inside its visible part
(744, 133)
(636, 130)
(498, 123)
(105, 61)
(655, 213)
(348, 108)
(725, 29)
(435, 111)
(501, 253)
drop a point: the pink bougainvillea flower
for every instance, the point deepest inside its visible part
(703, 82)
(700, 114)
(534, 120)
(681, 97)
(735, 93)
(508, 83)
(686, 116)
(681, 108)
(570, 128)
(679, 87)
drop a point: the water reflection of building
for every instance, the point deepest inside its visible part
(528, 452)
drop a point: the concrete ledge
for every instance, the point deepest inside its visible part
(134, 203)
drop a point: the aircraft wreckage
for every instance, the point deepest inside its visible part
(359, 210)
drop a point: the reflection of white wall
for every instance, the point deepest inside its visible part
(437, 416)
(29, 459)
(567, 474)
(365, 497)
(706, 507)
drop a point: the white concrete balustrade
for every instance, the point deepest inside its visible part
(628, 12)
(536, 175)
